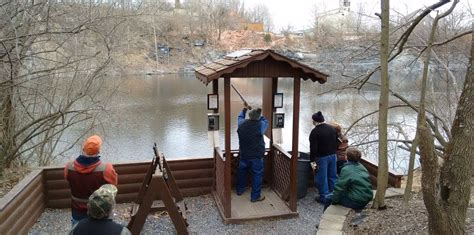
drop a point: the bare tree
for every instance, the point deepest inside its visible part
(51, 79)
(382, 173)
(260, 14)
(446, 185)
(436, 120)
(219, 13)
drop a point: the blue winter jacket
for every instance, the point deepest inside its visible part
(251, 133)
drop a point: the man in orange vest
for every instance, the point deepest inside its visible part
(85, 175)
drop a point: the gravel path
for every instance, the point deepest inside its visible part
(203, 218)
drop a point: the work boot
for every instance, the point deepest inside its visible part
(261, 198)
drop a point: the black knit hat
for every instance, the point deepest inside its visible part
(318, 117)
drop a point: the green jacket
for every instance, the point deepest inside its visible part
(354, 183)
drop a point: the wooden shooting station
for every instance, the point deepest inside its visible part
(280, 185)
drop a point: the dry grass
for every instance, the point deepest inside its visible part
(11, 177)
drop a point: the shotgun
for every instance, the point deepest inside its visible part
(240, 95)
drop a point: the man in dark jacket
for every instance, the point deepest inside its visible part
(252, 149)
(85, 175)
(100, 211)
(323, 146)
(353, 188)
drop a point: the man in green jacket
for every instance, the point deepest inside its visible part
(353, 188)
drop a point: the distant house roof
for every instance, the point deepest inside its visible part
(257, 63)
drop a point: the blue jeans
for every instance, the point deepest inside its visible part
(256, 167)
(326, 177)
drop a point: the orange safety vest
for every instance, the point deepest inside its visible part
(83, 184)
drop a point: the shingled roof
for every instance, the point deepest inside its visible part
(257, 63)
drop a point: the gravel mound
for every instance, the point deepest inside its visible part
(203, 218)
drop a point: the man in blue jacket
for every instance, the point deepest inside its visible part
(252, 149)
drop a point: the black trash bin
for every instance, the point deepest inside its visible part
(303, 174)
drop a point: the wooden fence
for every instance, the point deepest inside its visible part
(46, 188)
(20, 208)
(394, 178)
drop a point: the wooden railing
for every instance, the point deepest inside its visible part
(21, 207)
(193, 177)
(267, 161)
(46, 187)
(220, 177)
(281, 172)
(394, 178)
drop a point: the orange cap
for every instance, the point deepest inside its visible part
(91, 146)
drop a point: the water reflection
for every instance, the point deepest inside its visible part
(171, 111)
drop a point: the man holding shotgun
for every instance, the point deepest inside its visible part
(252, 149)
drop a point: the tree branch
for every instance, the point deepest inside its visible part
(400, 42)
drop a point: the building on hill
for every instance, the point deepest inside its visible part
(257, 27)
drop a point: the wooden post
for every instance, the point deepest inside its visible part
(215, 90)
(269, 88)
(172, 183)
(174, 213)
(228, 156)
(294, 148)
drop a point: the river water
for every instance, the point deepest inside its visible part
(171, 110)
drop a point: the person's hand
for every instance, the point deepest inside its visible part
(247, 106)
(314, 166)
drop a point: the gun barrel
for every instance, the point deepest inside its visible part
(238, 93)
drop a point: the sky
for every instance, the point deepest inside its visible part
(299, 13)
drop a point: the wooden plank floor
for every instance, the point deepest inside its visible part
(272, 206)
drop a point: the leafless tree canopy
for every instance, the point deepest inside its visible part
(55, 55)
(57, 58)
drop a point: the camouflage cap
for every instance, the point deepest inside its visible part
(101, 201)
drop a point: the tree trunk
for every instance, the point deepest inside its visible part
(411, 166)
(157, 59)
(446, 187)
(7, 125)
(219, 31)
(430, 166)
(382, 173)
(457, 170)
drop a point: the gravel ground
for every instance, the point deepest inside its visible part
(397, 219)
(203, 218)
